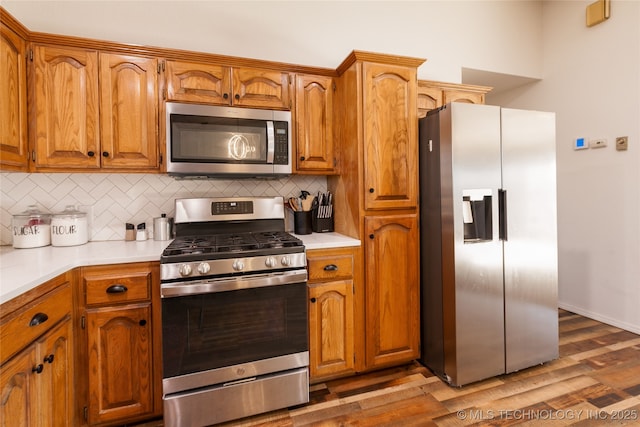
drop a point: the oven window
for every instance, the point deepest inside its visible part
(219, 140)
(215, 330)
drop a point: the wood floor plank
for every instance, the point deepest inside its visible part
(594, 383)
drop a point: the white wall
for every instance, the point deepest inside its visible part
(488, 35)
(591, 79)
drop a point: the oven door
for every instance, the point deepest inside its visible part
(209, 326)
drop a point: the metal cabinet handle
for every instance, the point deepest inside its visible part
(91, 154)
(237, 96)
(38, 368)
(117, 289)
(312, 300)
(38, 319)
(142, 322)
(330, 267)
(371, 236)
(302, 158)
(48, 359)
(105, 154)
(371, 190)
(225, 95)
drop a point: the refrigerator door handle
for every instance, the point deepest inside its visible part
(502, 214)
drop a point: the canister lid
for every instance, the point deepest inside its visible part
(70, 212)
(33, 212)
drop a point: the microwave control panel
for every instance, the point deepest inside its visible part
(281, 146)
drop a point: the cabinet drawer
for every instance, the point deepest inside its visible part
(117, 288)
(21, 329)
(330, 267)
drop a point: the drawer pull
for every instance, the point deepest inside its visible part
(49, 359)
(330, 267)
(38, 319)
(117, 289)
(38, 368)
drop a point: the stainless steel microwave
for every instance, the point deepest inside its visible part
(217, 141)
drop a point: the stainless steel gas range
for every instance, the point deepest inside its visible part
(234, 312)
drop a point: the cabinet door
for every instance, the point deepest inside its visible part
(261, 88)
(129, 111)
(392, 289)
(18, 390)
(331, 328)
(428, 98)
(452, 95)
(195, 82)
(390, 137)
(65, 110)
(120, 362)
(55, 391)
(314, 121)
(13, 108)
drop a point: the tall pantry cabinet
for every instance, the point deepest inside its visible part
(376, 198)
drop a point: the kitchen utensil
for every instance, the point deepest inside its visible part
(31, 228)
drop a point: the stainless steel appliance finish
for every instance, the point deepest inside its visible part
(234, 303)
(207, 140)
(488, 244)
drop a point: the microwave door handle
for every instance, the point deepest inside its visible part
(271, 142)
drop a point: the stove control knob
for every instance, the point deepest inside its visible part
(285, 261)
(204, 267)
(184, 269)
(270, 262)
(238, 265)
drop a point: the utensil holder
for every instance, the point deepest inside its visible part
(321, 225)
(302, 222)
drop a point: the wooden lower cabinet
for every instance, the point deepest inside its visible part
(37, 383)
(119, 348)
(392, 310)
(332, 312)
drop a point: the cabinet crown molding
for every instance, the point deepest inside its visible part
(381, 58)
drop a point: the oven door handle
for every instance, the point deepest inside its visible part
(177, 289)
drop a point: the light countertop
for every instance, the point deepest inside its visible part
(23, 269)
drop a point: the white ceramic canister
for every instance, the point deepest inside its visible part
(69, 228)
(31, 228)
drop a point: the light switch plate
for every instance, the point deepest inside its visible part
(598, 143)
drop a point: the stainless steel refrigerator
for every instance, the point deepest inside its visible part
(488, 230)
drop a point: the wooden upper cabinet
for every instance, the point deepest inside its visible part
(129, 111)
(432, 94)
(390, 137)
(254, 87)
(223, 85)
(454, 95)
(195, 82)
(429, 98)
(65, 108)
(13, 107)
(94, 111)
(314, 124)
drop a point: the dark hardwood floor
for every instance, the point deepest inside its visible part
(595, 382)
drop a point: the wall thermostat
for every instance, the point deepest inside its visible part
(580, 144)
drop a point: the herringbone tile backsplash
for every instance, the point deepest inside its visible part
(111, 200)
